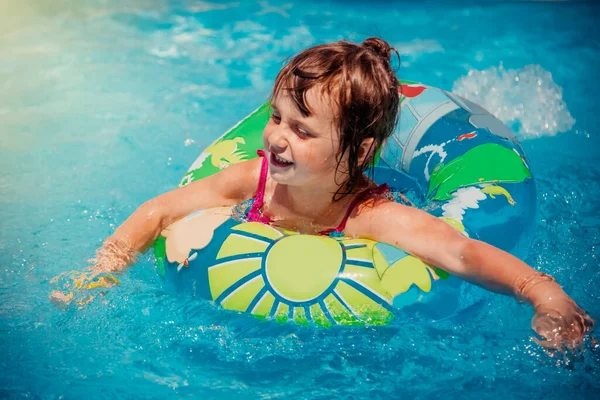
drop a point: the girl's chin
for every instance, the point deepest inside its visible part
(289, 178)
(282, 177)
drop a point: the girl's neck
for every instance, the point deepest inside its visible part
(314, 203)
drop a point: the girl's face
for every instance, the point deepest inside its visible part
(302, 150)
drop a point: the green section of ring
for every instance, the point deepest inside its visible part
(160, 254)
(250, 129)
(486, 163)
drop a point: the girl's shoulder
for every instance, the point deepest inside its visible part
(376, 214)
(242, 178)
(237, 182)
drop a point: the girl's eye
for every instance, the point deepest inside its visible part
(302, 134)
(276, 118)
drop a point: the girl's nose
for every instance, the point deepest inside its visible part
(277, 140)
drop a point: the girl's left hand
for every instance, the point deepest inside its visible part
(561, 323)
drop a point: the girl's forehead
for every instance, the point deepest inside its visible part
(320, 104)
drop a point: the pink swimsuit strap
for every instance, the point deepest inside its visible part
(255, 214)
(376, 191)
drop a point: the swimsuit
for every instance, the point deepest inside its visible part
(254, 213)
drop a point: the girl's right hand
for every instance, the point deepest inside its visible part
(558, 320)
(112, 256)
(79, 286)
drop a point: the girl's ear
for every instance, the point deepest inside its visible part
(365, 150)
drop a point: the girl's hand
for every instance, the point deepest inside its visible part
(79, 286)
(560, 322)
(112, 256)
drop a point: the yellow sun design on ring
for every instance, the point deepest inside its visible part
(305, 278)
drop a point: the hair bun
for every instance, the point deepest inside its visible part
(378, 46)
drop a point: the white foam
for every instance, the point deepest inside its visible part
(186, 37)
(526, 99)
(299, 37)
(210, 91)
(266, 8)
(171, 52)
(417, 47)
(258, 80)
(248, 26)
(204, 6)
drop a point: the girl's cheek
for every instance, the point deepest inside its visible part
(267, 130)
(266, 134)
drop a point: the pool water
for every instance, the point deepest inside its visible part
(106, 103)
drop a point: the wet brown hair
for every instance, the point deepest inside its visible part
(360, 81)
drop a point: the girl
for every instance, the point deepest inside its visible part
(334, 105)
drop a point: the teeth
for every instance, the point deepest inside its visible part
(281, 160)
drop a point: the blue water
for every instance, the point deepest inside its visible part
(105, 104)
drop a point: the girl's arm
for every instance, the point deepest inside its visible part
(226, 188)
(557, 317)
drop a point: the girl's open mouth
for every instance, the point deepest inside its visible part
(280, 162)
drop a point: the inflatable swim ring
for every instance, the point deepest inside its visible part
(460, 163)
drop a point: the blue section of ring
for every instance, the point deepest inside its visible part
(369, 294)
(253, 236)
(273, 308)
(256, 299)
(359, 263)
(346, 306)
(326, 312)
(308, 315)
(355, 246)
(236, 258)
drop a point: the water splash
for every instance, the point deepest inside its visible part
(526, 99)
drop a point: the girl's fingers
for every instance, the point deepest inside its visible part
(60, 299)
(559, 333)
(588, 321)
